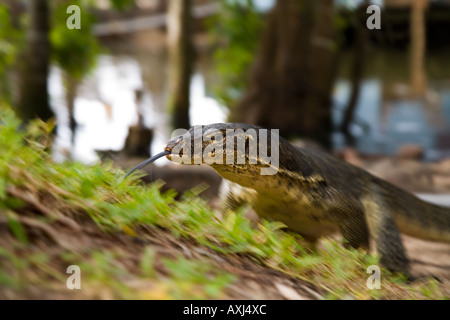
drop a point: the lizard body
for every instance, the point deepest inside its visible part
(316, 194)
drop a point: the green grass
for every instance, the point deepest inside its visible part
(118, 205)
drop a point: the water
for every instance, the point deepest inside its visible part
(387, 115)
(106, 106)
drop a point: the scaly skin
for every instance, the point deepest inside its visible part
(316, 194)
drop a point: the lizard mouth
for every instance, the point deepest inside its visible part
(171, 145)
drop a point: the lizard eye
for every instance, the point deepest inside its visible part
(217, 137)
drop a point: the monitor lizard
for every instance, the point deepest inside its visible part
(316, 194)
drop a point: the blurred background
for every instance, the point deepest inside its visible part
(135, 70)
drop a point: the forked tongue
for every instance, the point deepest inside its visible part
(148, 161)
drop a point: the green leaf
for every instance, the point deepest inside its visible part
(16, 227)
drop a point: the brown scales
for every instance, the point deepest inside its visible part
(316, 194)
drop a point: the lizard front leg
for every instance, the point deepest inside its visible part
(233, 196)
(384, 233)
(355, 231)
(348, 214)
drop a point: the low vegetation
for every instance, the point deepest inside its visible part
(133, 242)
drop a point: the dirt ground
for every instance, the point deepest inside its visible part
(254, 281)
(431, 181)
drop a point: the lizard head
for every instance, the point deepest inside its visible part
(236, 151)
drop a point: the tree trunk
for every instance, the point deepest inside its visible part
(71, 86)
(139, 138)
(291, 80)
(180, 61)
(33, 97)
(418, 47)
(357, 70)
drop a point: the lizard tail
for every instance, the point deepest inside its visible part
(424, 220)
